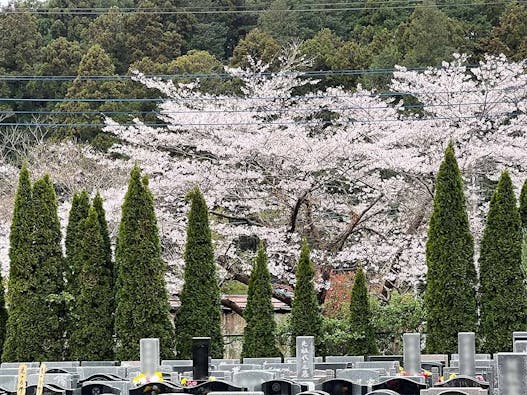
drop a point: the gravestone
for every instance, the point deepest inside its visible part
(200, 357)
(518, 336)
(382, 392)
(154, 389)
(401, 385)
(149, 356)
(9, 383)
(412, 353)
(210, 386)
(512, 374)
(262, 361)
(47, 390)
(520, 346)
(282, 387)
(359, 376)
(305, 357)
(99, 363)
(463, 382)
(99, 388)
(252, 379)
(343, 387)
(466, 344)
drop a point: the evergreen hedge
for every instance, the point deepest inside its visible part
(450, 297)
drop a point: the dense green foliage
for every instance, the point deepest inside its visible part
(200, 311)
(451, 276)
(370, 34)
(503, 297)
(306, 319)
(260, 330)
(142, 306)
(92, 336)
(523, 217)
(46, 284)
(360, 319)
(19, 329)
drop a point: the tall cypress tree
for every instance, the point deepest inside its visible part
(360, 324)
(260, 330)
(19, 330)
(451, 277)
(80, 205)
(523, 217)
(200, 311)
(92, 336)
(503, 296)
(142, 306)
(105, 234)
(306, 319)
(47, 282)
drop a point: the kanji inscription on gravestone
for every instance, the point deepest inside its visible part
(149, 354)
(467, 353)
(305, 357)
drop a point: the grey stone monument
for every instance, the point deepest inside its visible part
(149, 355)
(512, 374)
(305, 357)
(466, 344)
(520, 346)
(412, 353)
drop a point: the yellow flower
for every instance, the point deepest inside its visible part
(184, 381)
(212, 378)
(452, 376)
(140, 377)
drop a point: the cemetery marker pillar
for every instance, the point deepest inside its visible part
(466, 344)
(149, 355)
(200, 357)
(412, 353)
(512, 374)
(305, 357)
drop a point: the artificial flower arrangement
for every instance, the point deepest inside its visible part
(142, 378)
(426, 374)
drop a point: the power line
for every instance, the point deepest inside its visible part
(272, 110)
(316, 122)
(307, 73)
(280, 98)
(75, 11)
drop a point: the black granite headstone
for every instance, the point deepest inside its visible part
(282, 387)
(211, 386)
(155, 389)
(200, 357)
(463, 382)
(401, 385)
(343, 387)
(98, 389)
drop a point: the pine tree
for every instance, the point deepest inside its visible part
(503, 298)
(451, 277)
(259, 333)
(92, 336)
(306, 319)
(18, 329)
(46, 283)
(360, 323)
(200, 311)
(142, 306)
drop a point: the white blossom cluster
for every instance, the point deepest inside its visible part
(352, 171)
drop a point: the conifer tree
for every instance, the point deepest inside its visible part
(142, 306)
(306, 319)
(46, 282)
(200, 311)
(523, 217)
(503, 296)
(80, 205)
(360, 323)
(105, 234)
(92, 336)
(18, 339)
(451, 276)
(259, 333)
